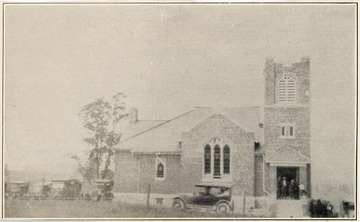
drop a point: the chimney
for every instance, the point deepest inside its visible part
(133, 115)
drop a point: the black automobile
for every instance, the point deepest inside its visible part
(66, 187)
(16, 188)
(321, 208)
(215, 197)
(100, 189)
(347, 209)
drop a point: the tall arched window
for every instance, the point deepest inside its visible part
(217, 160)
(226, 157)
(287, 90)
(207, 159)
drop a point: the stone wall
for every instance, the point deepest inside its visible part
(134, 172)
(241, 144)
(299, 71)
(299, 116)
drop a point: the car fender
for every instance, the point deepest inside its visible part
(227, 202)
(182, 199)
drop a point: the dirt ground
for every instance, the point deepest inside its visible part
(88, 209)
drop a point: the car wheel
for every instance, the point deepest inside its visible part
(178, 204)
(223, 208)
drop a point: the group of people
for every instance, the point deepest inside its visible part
(292, 190)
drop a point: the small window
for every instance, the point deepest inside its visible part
(283, 128)
(287, 131)
(160, 168)
(159, 201)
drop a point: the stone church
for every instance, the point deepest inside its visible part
(224, 145)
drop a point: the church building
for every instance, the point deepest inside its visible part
(234, 145)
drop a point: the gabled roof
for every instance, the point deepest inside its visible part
(165, 137)
(287, 155)
(133, 129)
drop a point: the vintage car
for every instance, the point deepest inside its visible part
(100, 189)
(66, 187)
(41, 189)
(16, 188)
(321, 208)
(209, 196)
(347, 209)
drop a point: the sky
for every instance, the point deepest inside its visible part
(168, 59)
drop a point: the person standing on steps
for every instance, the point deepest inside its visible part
(283, 188)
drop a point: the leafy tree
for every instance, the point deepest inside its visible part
(99, 119)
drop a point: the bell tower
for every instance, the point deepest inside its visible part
(287, 122)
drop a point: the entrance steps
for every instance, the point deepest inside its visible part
(292, 208)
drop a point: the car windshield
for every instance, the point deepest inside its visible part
(211, 191)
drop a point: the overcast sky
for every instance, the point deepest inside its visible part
(168, 59)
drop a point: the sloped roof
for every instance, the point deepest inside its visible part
(133, 129)
(287, 154)
(165, 137)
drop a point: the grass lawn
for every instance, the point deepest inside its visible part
(87, 209)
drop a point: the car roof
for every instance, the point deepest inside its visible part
(64, 180)
(101, 181)
(18, 182)
(217, 185)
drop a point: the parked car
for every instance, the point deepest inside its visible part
(212, 196)
(100, 189)
(67, 187)
(321, 208)
(347, 209)
(16, 188)
(41, 189)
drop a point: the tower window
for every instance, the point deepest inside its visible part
(287, 90)
(287, 131)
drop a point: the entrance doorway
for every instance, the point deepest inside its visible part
(287, 182)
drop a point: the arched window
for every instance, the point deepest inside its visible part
(160, 168)
(217, 161)
(226, 161)
(207, 159)
(287, 90)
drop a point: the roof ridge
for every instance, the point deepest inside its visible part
(152, 120)
(166, 121)
(224, 107)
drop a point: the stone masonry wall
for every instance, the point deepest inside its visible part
(300, 71)
(126, 169)
(275, 116)
(241, 145)
(133, 173)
